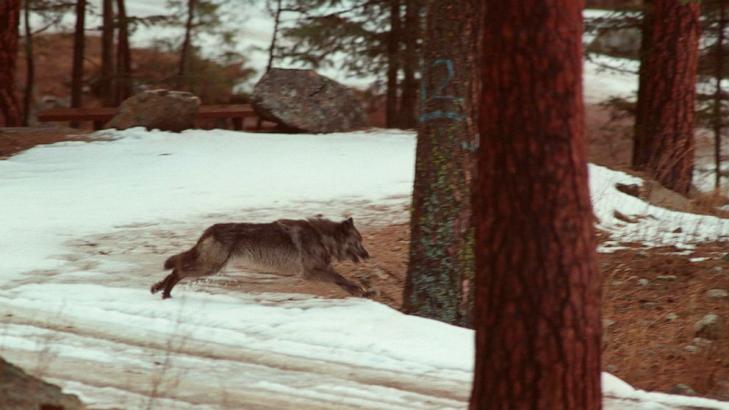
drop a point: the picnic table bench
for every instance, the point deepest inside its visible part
(101, 115)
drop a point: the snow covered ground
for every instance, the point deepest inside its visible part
(86, 227)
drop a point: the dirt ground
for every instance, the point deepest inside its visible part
(651, 296)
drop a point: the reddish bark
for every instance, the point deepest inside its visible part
(537, 296)
(664, 140)
(9, 19)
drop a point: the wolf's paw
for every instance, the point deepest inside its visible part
(155, 288)
(166, 295)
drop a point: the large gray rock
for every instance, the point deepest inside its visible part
(622, 42)
(162, 109)
(20, 391)
(302, 100)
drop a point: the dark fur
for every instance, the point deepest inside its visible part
(298, 246)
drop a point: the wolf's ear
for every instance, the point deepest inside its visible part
(349, 221)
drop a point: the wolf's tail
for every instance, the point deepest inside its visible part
(180, 259)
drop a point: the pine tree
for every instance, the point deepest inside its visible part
(185, 49)
(79, 41)
(537, 292)
(29, 64)
(439, 283)
(107, 53)
(393, 64)
(9, 22)
(411, 62)
(664, 141)
(360, 37)
(713, 68)
(124, 87)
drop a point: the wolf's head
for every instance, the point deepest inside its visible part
(350, 242)
(341, 239)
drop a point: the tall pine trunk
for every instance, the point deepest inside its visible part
(9, 20)
(123, 56)
(182, 71)
(664, 141)
(717, 120)
(411, 32)
(79, 40)
(393, 64)
(537, 296)
(29, 66)
(107, 53)
(439, 283)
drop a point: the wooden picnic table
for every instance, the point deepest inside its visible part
(101, 115)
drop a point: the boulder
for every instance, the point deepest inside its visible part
(162, 109)
(18, 390)
(622, 42)
(302, 100)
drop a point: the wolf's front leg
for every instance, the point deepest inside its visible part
(166, 284)
(328, 274)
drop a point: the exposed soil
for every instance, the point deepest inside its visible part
(14, 140)
(647, 327)
(642, 344)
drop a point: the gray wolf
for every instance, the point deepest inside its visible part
(297, 246)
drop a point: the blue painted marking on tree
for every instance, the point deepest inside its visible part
(436, 115)
(438, 95)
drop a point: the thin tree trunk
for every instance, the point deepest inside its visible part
(123, 56)
(410, 84)
(664, 140)
(718, 75)
(185, 52)
(272, 47)
(29, 66)
(9, 21)
(77, 73)
(393, 64)
(439, 283)
(107, 53)
(537, 296)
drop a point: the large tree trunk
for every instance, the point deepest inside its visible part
(9, 19)
(664, 141)
(717, 120)
(107, 53)
(439, 283)
(123, 56)
(185, 52)
(29, 66)
(77, 73)
(537, 296)
(411, 64)
(393, 64)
